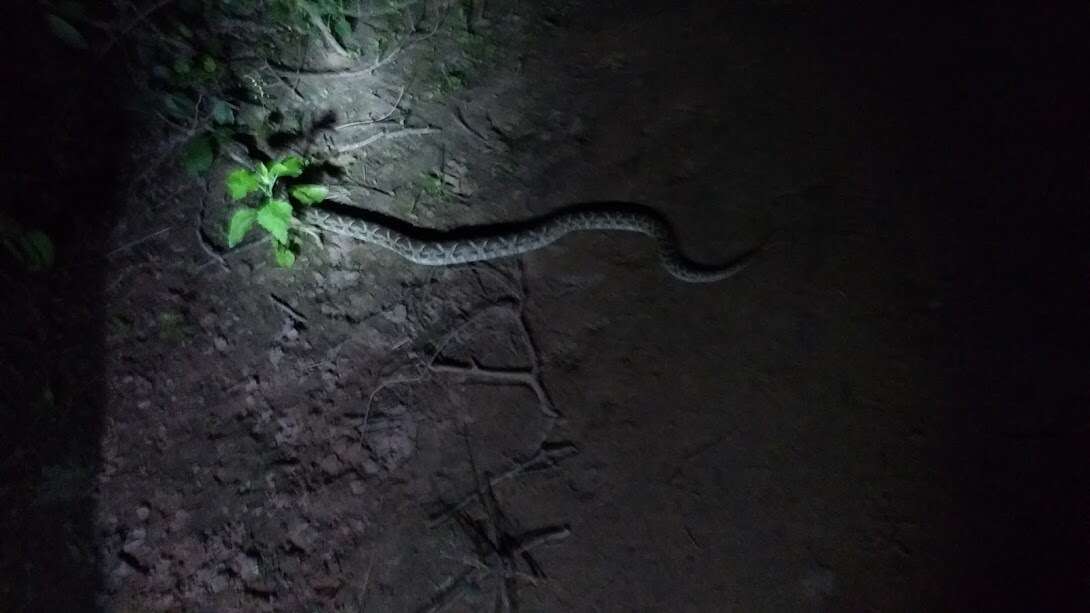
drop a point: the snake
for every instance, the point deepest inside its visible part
(482, 243)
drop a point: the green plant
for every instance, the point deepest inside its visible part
(275, 212)
(432, 184)
(450, 80)
(195, 91)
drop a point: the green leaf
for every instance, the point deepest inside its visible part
(240, 224)
(38, 250)
(66, 33)
(342, 30)
(275, 217)
(240, 183)
(199, 154)
(222, 113)
(309, 194)
(291, 166)
(262, 174)
(285, 257)
(208, 64)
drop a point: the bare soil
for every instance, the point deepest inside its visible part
(879, 414)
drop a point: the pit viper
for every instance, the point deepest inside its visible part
(431, 248)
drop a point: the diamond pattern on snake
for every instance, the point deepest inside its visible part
(468, 245)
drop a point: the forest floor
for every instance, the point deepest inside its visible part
(574, 429)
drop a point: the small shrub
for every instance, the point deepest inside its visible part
(275, 212)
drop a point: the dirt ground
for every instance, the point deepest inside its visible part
(880, 414)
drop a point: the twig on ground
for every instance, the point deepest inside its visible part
(529, 377)
(422, 368)
(381, 386)
(234, 252)
(498, 551)
(323, 30)
(210, 249)
(457, 588)
(548, 456)
(362, 598)
(519, 376)
(367, 70)
(291, 87)
(205, 241)
(368, 122)
(292, 312)
(381, 135)
(411, 42)
(460, 116)
(139, 240)
(373, 188)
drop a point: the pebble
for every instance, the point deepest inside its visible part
(398, 314)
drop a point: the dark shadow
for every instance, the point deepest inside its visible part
(981, 111)
(63, 139)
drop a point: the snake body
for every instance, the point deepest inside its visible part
(460, 247)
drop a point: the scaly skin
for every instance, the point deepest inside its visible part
(447, 252)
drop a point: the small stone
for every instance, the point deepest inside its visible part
(341, 279)
(300, 536)
(142, 513)
(220, 343)
(123, 571)
(358, 487)
(246, 567)
(138, 551)
(332, 465)
(398, 314)
(276, 354)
